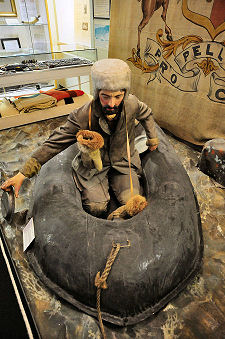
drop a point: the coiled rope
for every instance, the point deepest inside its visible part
(100, 280)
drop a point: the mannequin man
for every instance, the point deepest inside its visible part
(112, 114)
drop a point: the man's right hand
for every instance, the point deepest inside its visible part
(15, 181)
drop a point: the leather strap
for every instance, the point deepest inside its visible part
(89, 118)
(128, 157)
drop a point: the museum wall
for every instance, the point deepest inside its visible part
(179, 74)
(72, 29)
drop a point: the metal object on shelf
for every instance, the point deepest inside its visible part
(32, 64)
(64, 62)
(33, 21)
(30, 61)
(15, 67)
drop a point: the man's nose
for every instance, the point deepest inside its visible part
(112, 102)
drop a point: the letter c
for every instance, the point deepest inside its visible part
(218, 94)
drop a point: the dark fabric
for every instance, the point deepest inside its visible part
(68, 100)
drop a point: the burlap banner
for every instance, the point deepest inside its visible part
(217, 88)
(212, 49)
(188, 61)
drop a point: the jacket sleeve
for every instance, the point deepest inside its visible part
(145, 116)
(59, 140)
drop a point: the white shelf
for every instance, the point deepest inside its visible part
(36, 76)
(39, 115)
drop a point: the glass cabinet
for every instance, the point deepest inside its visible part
(20, 75)
(30, 65)
(25, 74)
(24, 27)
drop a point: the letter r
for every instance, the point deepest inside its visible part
(163, 66)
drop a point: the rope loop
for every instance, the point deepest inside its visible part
(100, 280)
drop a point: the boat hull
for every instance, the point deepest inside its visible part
(71, 246)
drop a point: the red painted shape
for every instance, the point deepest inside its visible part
(218, 13)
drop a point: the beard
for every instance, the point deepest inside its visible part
(111, 113)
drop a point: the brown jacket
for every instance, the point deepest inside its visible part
(114, 151)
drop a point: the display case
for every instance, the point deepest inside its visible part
(36, 68)
(31, 63)
(30, 73)
(24, 27)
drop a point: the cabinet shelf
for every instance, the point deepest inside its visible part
(5, 59)
(36, 76)
(88, 53)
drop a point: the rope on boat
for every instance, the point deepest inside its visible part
(100, 280)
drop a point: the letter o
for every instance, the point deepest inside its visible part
(173, 78)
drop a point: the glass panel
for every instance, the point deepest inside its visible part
(89, 54)
(29, 27)
(40, 39)
(26, 89)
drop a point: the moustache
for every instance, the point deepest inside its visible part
(110, 112)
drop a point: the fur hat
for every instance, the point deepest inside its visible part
(111, 75)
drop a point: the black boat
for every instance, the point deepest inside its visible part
(71, 246)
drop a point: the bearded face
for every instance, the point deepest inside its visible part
(111, 113)
(111, 103)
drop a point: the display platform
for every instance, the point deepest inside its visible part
(39, 115)
(198, 311)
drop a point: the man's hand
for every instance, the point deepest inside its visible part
(152, 148)
(15, 181)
